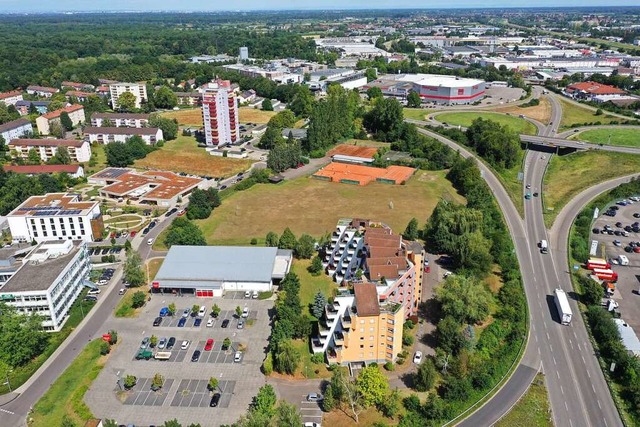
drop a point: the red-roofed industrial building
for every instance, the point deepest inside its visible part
(589, 90)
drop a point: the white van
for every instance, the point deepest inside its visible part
(623, 260)
(150, 242)
(544, 246)
(245, 312)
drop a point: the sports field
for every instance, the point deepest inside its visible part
(184, 155)
(465, 119)
(193, 117)
(311, 206)
(628, 137)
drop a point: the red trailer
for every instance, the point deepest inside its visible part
(606, 274)
(594, 263)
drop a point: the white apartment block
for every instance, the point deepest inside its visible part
(105, 135)
(79, 151)
(119, 120)
(220, 114)
(48, 281)
(15, 129)
(10, 98)
(138, 89)
(56, 216)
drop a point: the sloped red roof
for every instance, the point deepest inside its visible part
(56, 114)
(39, 169)
(594, 88)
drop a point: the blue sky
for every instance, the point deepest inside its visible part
(217, 5)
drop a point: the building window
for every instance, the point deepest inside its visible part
(361, 321)
(362, 330)
(371, 329)
(372, 320)
(370, 337)
(361, 345)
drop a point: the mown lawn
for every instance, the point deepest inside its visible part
(418, 113)
(540, 112)
(193, 117)
(569, 175)
(532, 410)
(629, 137)
(65, 396)
(124, 307)
(306, 368)
(310, 285)
(184, 155)
(465, 119)
(573, 114)
(311, 206)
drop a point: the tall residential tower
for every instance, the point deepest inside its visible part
(220, 114)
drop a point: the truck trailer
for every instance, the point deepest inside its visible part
(562, 304)
(163, 355)
(606, 274)
(594, 263)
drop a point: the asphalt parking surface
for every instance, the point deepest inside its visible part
(142, 395)
(196, 394)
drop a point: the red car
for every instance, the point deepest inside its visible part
(209, 345)
(636, 249)
(182, 212)
(133, 233)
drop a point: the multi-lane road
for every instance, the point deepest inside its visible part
(578, 393)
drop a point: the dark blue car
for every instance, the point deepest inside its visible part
(181, 322)
(197, 322)
(164, 311)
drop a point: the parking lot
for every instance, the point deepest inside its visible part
(628, 285)
(184, 395)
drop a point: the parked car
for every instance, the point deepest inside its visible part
(240, 324)
(145, 342)
(186, 312)
(237, 357)
(164, 311)
(209, 345)
(185, 344)
(245, 312)
(158, 321)
(214, 400)
(202, 311)
(150, 242)
(162, 343)
(247, 294)
(181, 322)
(171, 343)
(617, 243)
(210, 322)
(417, 358)
(254, 295)
(196, 356)
(197, 322)
(314, 397)
(225, 323)
(182, 212)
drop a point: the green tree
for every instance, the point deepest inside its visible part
(267, 105)
(265, 401)
(138, 299)
(127, 102)
(200, 204)
(287, 415)
(286, 358)
(130, 381)
(302, 102)
(425, 376)
(271, 137)
(449, 335)
(215, 310)
(104, 348)
(184, 232)
(133, 270)
(33, 158)
(21, 337)
(371, 74)
(592, 291)
(226, 343)
(411, 232)
(172, 423)
(319, 303)
(390, 405)
(164, 98)
(153, 341)
(372, 385)
(61, 157)
(287, 240)
(316, 266)
(466, 299)
(413, 100)
(213, 383)
(172, 309)
(271, 240)
(168, 126)
(65, 121)
(374, 92)
(238, 311)
(385, 119)
(305, 247)
(67, 422)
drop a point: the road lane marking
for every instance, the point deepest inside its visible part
(558, 374)
(599, 405)
(551, 348)
(583, 361)
(554, 360)
(593, 388)
(562, 389)
(548, 337)
(565, 405)
(7, 412)
(570, 343)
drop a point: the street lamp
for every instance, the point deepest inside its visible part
(8, 383)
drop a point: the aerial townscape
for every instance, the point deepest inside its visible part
(281, 214)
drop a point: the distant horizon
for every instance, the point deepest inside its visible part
(195, 6)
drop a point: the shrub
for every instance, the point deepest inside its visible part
(267, 365)
(104, 348)
(254, 241)
(317, 358)
(130, 381)
(389, 366)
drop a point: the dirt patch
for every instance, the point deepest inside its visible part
(541, 112)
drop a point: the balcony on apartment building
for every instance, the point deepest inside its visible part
(317, 345)
(346, 321)
(330, 312)
(338, 338)
(332, 355)
(324, 329)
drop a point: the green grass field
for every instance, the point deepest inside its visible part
(65, 396)
(311, 206)
(521, 126)
(310, 285)
(418, 113)
(532, 410)
(569, 175)
(628, 137)
(573, 114)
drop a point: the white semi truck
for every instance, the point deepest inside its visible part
(562, 304)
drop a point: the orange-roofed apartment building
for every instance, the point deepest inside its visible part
(159, 188)
(220, 114)
(589, 90)
(45, 121)
(79, 151)
(385, 273)
(10, 98)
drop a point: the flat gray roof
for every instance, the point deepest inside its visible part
(217, 264)
(39, 277)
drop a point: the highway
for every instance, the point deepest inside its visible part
(578, 393)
